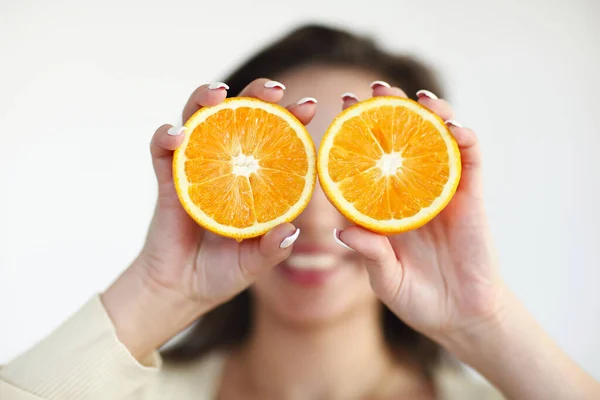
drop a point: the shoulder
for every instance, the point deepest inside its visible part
(456, 384)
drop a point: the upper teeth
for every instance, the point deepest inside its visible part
(311, 261)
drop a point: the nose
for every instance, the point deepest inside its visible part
(320, 217)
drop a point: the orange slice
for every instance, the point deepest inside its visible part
(389, 164)
(244, 167)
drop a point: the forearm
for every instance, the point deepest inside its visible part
(146, 315)
(521, 360)
(81, 359)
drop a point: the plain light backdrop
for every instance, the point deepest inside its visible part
(84, 86)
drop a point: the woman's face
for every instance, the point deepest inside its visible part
(320, 281)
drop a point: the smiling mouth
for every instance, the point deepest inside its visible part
(312, 261)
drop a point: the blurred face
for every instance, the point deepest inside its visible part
(321, 281)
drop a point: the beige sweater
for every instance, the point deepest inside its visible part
(83, 359)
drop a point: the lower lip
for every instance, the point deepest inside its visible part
(307, 277)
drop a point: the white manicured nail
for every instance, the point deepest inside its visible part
(288, 241)
(274, 84)
(176, 130)
(307, 100)
(349, 95)
(380, 83)
(218, 85)
(453, 123)
(427, 93)
(336, 237)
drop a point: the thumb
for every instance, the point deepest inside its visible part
(164, 141)
(470, 153)
(258, 255)
(385, 271)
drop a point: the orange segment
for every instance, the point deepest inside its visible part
(251, 133)
(277, 149)
(245, 167)
(207, 141)
(376, 119)
(402, 204)
(198, 170)
(389, 164)
(367, 192)
(354, 149)
(407, 126)
(347, 163)
(267, 187)
(238, 211)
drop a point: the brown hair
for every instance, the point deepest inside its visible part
(229, 324)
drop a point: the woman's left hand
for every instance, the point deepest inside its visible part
(441, 279)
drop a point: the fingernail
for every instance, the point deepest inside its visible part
(274, 84)
(307, 100)
(349, 95)
(453, 123)
(380, 83)
(218, 85)
(288, 241)
(337, 239)
(176, 130)
(426, 93)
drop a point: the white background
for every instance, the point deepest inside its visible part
(83, 87)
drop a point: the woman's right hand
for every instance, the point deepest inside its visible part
(183, 271)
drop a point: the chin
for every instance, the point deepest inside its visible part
(313, 290)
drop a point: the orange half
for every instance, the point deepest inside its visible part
(389, 164)
(244, 167)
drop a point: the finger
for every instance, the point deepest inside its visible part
(381, 88)
(258, 255)
(348, 99)
(304, 109)
(264, 89)
(165, 140)
(438, 106)
(205, 96)
(470, 154)
(385, 271)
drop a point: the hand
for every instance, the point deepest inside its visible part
(440, 279)
(183, 269)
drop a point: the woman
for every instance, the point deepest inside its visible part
(367, 320)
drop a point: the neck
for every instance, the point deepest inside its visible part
(345, 359)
